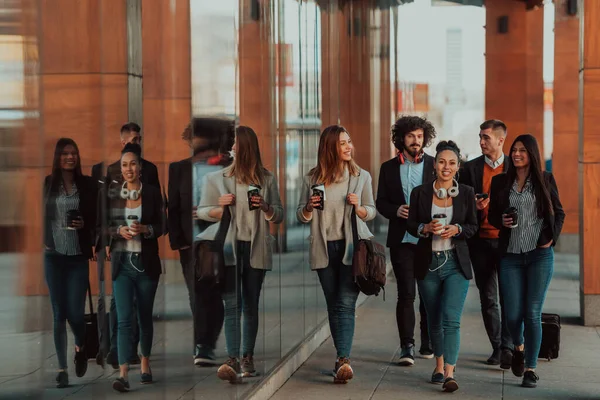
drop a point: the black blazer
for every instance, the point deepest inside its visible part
(87, 189)
(464, 214)
(390, 196)
(153, 213)
(179, 217)
(471, 174)
(499, 202)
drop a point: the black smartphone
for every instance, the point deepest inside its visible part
(480, 196)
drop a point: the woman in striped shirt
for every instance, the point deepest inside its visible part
(526, 242)
(70, 221)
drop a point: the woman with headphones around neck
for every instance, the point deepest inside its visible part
(528, 234)
(250, 192)
(443, 217)
(136, 221)
(69, 229)
(344, 187)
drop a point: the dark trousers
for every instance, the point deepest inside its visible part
(114, 325)
(403, 257)
(206, 304)
(67, 279)
(241, 295)
(131, 283)
(486, 260)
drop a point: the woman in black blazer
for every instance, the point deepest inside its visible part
(136, 221)
(527, 245)
(69, 229)
(442, 265)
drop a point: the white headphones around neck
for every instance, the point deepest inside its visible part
(133, 194)
(442, 193)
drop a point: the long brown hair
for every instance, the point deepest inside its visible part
(329, 168)
(542, 194)
(247, 165)
(56, 176)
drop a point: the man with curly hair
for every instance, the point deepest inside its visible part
(397, 178)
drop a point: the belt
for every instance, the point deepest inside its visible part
(442, 252)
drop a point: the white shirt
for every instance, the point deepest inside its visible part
(437, 243)
(494, 164)
(134, 245)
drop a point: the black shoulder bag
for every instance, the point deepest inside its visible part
(209, 261)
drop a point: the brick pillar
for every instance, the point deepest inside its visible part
(80, 90)
(514, 89)
(589, 161)
(566, 103)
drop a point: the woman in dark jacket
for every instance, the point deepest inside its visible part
(136, 221)
(443, 215)
(528, 234)
(69, 229)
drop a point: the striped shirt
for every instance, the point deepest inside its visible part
(66, 241)
(525, 236)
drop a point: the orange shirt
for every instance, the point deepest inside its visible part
(486, 230)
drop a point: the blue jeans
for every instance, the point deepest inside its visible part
(444, 292)
(130, 283)
(341, 294)
(67, 279)
(524, 281)
(241, 295)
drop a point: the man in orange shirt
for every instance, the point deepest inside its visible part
(483, 247)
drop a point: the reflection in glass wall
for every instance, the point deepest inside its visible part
(286, 69)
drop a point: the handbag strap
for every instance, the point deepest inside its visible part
(90, 298)
(223, 226)
(354, 227)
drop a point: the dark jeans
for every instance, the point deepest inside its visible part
(485, 258)
(241, 295)
(67, 278)
(524, 282)
(129, 284)
(444, 291)
(114, 325)
(341, 294)
(206, 304)
(402, 258)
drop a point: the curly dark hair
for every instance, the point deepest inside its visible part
(409, 123)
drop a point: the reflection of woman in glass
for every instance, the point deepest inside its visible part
(250, 192)
(70, 204)
(331, 191)
(136, 222)
(526, 245)
(443, 217)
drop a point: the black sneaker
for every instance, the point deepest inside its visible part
(530, 379)
(506, 358)
(230, 371)
(62, 379)
(494, 358)
(450, 385)
(121, 385)
(112, 359)
(407, 355)
(426, 352)
(437, 378)
(248, 369)
(81, 363)
(518, 363)
(146, 378)
(205, 357)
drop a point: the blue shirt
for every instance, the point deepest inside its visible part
(200, 169)
(411, 175)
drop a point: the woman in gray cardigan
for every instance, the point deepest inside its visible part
(250, 192)
(331, 190)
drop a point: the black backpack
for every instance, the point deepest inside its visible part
(550, 336)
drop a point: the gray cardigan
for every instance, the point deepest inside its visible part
(216, 184)
(360, 185)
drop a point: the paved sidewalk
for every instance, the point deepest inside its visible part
(572, 376)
